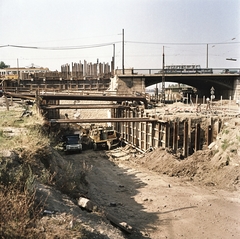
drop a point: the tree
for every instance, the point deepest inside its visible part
(3, 65)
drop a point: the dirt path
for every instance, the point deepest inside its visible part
(157, 205)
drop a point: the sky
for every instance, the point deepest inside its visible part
(51, 33)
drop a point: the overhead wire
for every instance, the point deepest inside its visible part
(110, 43)
(62, 47)
(179, 43)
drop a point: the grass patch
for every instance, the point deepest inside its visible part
(226, 131)
(238, 138)
(215, 151)
(225, 144)
(17, 133)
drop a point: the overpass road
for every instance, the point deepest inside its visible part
(223, 83)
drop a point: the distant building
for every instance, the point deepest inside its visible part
(17, 73)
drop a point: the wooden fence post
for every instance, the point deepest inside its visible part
(146, 135)
(197, 137)
(37, 98)
(185, 139)
(7, 103)
(209, 135)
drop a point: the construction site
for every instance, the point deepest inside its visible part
(162, 170)
(143, 120)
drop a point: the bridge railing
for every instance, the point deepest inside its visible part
(188, 71)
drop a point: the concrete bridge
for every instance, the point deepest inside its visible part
(225, 84)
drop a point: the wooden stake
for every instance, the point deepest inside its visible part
(185, 139)
(7, 103)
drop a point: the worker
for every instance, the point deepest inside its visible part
(208, 104)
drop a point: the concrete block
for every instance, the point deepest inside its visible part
(87, 204)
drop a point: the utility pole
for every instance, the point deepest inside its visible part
(113, 57)
(98, 75)
(123, 51)
(163, 78)
(18, 72)
(207, 57)
(156, 93)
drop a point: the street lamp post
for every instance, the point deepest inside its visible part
(163, 78)
(123, 51)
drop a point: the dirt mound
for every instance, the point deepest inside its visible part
(218, 165)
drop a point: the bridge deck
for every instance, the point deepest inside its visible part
(203, 82)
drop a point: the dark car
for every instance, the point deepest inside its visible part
(72, 143)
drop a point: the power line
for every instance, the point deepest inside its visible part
(196, 43)
(62, 47)
(111, 43)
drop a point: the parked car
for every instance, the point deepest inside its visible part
(72, 143)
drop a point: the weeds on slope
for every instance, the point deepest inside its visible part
(26, 156)
(20, 139)
(18, 214)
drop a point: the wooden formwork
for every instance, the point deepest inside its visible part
(145, 135)
(186, 136)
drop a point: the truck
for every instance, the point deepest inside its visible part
(72, 143)
(104, 137)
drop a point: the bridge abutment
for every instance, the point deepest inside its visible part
(128, 85)
(236, 89)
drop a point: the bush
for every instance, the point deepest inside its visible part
(18, 150)
(26, 156)
(18, 214)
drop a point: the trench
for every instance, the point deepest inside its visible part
(182, 135)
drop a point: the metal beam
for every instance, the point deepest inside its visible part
(83, 106)
(49, 96)
(102, 120)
